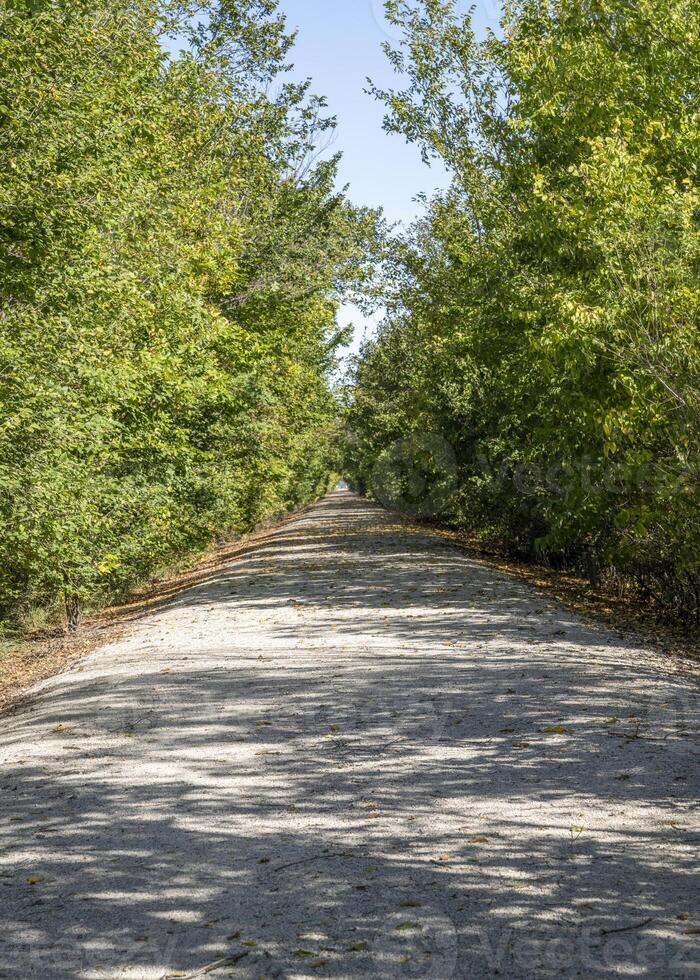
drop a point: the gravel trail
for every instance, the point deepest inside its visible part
(353, 752)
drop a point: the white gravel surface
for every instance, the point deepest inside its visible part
(354, 752)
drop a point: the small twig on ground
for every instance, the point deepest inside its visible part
(637, 925)
(633, 737)
(317, 857)
(387, 745)
(209, 968)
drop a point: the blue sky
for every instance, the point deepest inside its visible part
(339, 45)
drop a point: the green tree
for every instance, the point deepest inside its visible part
(171, 259)
(550, 298)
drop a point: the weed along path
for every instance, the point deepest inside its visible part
(354, 751)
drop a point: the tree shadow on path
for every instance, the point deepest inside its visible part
(353, 752)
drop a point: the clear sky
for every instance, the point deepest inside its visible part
(338, 46)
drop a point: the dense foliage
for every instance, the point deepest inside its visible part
(171, 258)
(544, 323)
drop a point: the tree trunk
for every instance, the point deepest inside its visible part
(72, 611)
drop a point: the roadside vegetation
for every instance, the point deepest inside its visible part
(537, 377)
(173, 248)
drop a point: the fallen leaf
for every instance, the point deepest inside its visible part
(684, 916)
(405, 926)
(34, 879)
(358, 947)
(302, 953)
(556, 730)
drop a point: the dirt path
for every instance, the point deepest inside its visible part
(356, 752)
